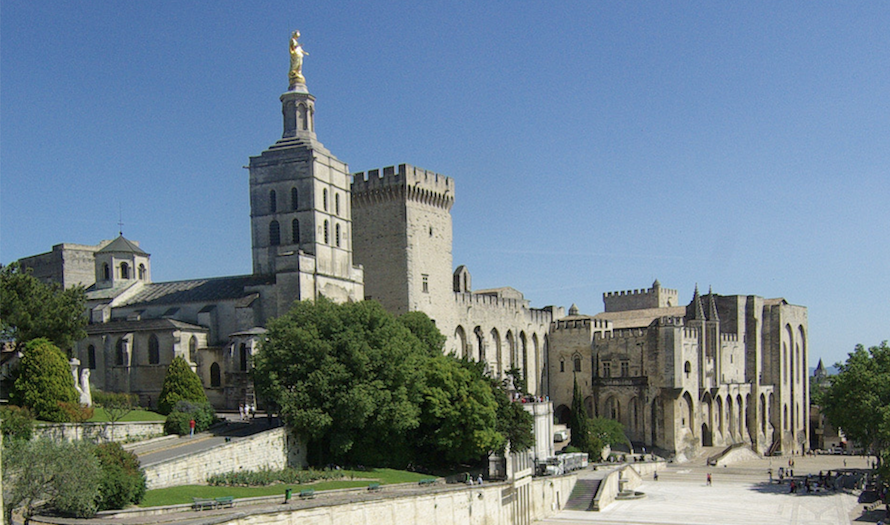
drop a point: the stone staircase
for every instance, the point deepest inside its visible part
(582, 495)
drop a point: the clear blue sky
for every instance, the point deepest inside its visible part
(595, 146)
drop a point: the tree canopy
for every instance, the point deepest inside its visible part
(858, 398)
(43, 382)
(180, 384)
(360, 387)
(31, 309)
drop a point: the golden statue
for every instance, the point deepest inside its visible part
(295, 75)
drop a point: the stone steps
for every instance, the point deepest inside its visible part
(582, 495)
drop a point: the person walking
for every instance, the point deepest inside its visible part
(709, 479)
(192, 428)
(655, 475)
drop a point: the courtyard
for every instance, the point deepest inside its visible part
(740, 494)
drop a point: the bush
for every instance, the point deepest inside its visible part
(263, 477)
(18, 423)
(43, 380)
(123, 480)
(184, 411)
(180, 384)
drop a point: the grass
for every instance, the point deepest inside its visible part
(185, 493)
(100, 416)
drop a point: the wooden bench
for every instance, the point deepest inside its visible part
(374, 487)
(427, 481)
(307, 493)
(225, 501)
(204, 503)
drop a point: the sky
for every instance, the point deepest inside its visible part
(595, 146)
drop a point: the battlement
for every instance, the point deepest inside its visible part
(407, 182)
(534, 315)
(581, 324)
(628, 333)
(732, 338)
(654, 297)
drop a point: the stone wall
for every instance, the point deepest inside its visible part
(272, 449)
(101, 432)
(490, 504)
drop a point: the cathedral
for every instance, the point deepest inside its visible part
(718, 371)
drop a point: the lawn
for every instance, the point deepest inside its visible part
(185, 493)
(100, 416)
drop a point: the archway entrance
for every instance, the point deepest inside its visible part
(706, 439)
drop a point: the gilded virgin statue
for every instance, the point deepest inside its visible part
(295, 75)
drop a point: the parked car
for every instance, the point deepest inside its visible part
(560, 435)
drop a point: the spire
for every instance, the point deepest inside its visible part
(573, 310)
(712, 307)
(698, 312)
(656, 284)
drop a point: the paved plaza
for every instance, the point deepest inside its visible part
(740, 495)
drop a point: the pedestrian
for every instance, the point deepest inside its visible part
(191, 428)
(709, 479)
(479, 480)
(241, 411)
(655, 475)
(793, 486)
(770, 472)
(845, 463)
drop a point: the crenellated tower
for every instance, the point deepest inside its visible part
(403, 239)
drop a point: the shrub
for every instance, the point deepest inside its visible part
(18, 423)
(43, 380)
(178, 420)
(123, 481)
(180, 384)
(263, 477)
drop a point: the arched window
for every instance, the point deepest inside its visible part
(337, 203)
(193, 349)
(274, 233)
(562, 365)
(125, 270)
(326, 240)
(120, 354)
(141, 272)
(295, 231)
(294, 199)
(577, 360)
(154, 350)
(214, 375)
(106, 272)
(243, 357)
(687, 368)
(324, 199)
(337, 234)
(91, 357)
(273, 201)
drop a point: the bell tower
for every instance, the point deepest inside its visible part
(300, 205)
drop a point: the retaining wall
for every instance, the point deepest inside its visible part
(101, 432)
(269, 449)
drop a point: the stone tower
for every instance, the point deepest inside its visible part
(300, 211)
(403, 239)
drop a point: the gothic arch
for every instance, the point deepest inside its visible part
(154, 350)
(496, 341)
(215, 381)
(460, 337)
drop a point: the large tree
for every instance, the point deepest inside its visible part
(180, 384)
(360, 387)
(43, 382)
(579, 424)
(31, 309)
(858, 399)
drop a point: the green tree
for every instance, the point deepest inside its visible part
(116, 405)
(180, 384)
(424, 329)
(459, 413)
(858, 398)
(348, 379)
(43, 381)
(123, 481)
(519, 382)
(64, 476)
(514, 422)
(579, 425)
(31, 309)
(604, 432)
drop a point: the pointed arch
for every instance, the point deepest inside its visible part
(154, 350)
(274, 233)
(273, 201)
(294, 199)
(215, 381)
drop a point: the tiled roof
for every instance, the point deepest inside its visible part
(122, 245)
(141, 325)
(197, 290)
(94, 293)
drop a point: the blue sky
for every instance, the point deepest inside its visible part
(595, 146)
